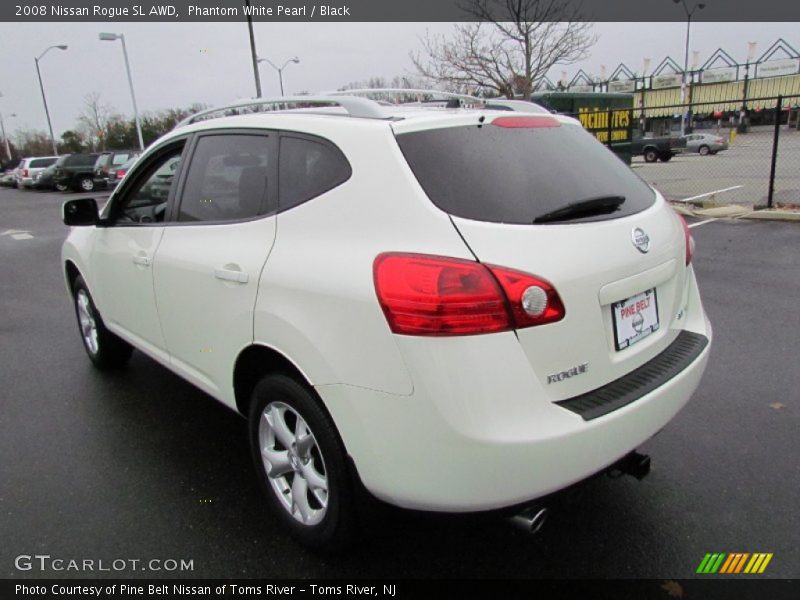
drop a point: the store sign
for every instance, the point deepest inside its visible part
(775, 68)
(581, 88)
(628, 85)
(719, 75)
(667, 81)
(602, 121)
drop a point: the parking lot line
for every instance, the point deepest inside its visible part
(727, 189)
(702, 223)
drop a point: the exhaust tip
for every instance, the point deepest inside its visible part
(531, 520)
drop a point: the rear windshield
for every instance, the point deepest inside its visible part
(81, 160)
(41, 163)
(515, 175)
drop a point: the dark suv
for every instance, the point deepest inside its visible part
(75, 172)
(108, 161)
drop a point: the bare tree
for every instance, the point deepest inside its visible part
(509, 49)
(94, 119)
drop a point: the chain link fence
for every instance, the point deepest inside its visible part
(748, 156)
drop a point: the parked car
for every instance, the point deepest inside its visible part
(116, 174)
(44, 180)
(76, 172)
(8, 178)
(705, 143)
(108, 161)
(377, 289)
(29, 168)
(657, 148)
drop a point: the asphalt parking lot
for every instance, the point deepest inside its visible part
(140, 465)
(745, 164)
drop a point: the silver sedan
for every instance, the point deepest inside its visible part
(705, 143)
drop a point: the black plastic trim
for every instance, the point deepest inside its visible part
(651, 375)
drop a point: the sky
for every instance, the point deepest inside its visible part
(176, 64)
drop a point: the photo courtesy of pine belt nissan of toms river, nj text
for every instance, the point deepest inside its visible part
(425, 304)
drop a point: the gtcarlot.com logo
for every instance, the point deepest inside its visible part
(734, 563)
(46, 562)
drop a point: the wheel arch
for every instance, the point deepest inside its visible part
(71, 273)
(253, 363)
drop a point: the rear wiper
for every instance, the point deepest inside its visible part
(583, 208)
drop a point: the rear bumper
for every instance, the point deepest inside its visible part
(477, 432)
(409, 453)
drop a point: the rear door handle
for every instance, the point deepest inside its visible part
(231, 275)
(141, 259)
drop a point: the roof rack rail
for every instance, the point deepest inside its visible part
(355, 106)
(499, 103)
(407, 92)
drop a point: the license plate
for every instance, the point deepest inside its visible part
(635, 318)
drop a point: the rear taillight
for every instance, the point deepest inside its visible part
(689, 240)
(24, 172)
(438, 296)
(120, 173)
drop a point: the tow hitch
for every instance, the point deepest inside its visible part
(634, 464)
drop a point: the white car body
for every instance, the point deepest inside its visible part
(30, 168)
(459, 423)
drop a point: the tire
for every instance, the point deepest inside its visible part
(704, 150)
(106, 350)
(666, 157)
(60, 187)
(85, 184)
(320, 515)
(650, 155)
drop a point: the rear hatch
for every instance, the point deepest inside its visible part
(541, 195)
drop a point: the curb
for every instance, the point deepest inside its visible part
(735, 211)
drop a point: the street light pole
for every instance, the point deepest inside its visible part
(5, 137)
(253, 53)
(280, 69)
(44, 98)
(110, 37)
(689, 13)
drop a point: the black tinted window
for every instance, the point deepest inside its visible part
(81, 160)
(308, 169)
(146, 201)
(228, 178)
(514, 175)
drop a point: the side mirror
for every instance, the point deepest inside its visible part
(80, 212)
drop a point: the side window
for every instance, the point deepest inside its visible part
(228, 178)
(146, 201)
(307, 169)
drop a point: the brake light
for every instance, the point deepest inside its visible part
(439, 296)
(121, 173)
(24, 172)
(689, 240)
(526, 122)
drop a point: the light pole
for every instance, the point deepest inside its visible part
(110, 37)
(44, 99)
(5, 137)
(642, 119)
(689, 13)
(751, 52)
(253, 55)
(280, 69)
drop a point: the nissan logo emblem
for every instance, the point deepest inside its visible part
(641, 240)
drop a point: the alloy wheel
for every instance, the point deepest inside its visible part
(87, 321)
(293, 463)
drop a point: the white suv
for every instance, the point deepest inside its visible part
(454, 309)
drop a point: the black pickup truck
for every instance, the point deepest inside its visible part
(657, 148)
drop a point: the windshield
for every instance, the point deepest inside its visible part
(518, 174)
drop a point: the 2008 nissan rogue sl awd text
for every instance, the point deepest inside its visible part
(455, 309)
